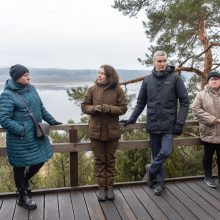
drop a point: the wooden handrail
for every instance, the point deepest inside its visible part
(73, 147)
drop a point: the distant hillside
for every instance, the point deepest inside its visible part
(52, 75)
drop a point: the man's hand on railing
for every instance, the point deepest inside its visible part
(127, 122)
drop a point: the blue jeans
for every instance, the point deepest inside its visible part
(161, 147)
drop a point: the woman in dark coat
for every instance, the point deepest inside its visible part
(104, 102)
(26, 153)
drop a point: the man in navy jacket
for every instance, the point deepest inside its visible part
(161, 91)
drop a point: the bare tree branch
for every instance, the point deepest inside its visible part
(190, 69)
(178, 69)
(198, 55)
(216, 66)
(131, 81)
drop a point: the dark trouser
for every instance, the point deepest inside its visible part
(104, 153)
(209, 150)
(22, 175)
(161, 147)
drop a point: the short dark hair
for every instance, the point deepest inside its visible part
(111, 75)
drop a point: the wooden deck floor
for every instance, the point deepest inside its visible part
(181, 200)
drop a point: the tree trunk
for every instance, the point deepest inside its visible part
(208, 55)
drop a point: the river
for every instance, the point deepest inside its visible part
(56, 101)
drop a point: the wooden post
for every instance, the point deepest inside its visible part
(73, 159)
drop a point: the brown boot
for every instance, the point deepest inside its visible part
(101, 195)
(110, 193)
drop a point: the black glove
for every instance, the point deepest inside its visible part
(127, 122)
(57, 123)
(178, 128)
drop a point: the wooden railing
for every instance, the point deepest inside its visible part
(73, 147)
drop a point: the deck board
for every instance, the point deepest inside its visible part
(7, 208)
(94, 208)
(205, 195)
(189, 203)
(163, 205)
(110, 210)
(51, 207)
(65, 206)
(185, 199)
(38, 214)
(123, 207)
(177, 205)
(135, 204)
(147, 202)
(79, 206)
(210, 210)
(214, 192)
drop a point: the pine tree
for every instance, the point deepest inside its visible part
(186, 29)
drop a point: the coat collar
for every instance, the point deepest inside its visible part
(164, 73)
(13, 86)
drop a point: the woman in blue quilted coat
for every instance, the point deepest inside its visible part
(26, 153)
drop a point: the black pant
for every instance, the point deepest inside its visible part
(209, 150)
(23, 174)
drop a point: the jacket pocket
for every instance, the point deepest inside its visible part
(94, 131)
(114, 132)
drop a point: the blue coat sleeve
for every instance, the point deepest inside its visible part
(6, 116)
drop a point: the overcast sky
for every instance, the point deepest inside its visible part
(71, 34)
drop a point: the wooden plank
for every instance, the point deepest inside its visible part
(204, 194)
(162, 204)
(20, 213)
(187, 202)
(123, 207)
(85, 126)
(79, 206)
(109, 210)
(123, 145)
(196, 197)
(8, 208)
(136, 206)
(65, 206)
(37, 214)
(51, 207)
(214, 192)
(147, 202)
(93, 206)
(177, 205)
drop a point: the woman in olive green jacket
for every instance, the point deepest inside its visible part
(206, 108)
(104, 102)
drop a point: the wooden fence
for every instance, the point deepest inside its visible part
(73, 147)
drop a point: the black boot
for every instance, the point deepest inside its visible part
(25, 201)
(28, 188)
